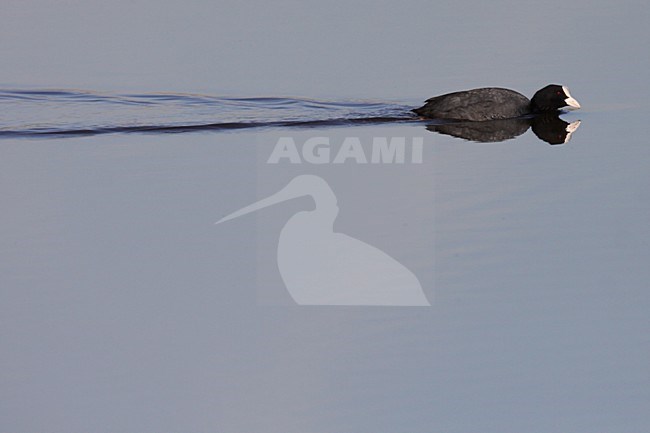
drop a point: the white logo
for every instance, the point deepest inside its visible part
(319, 150)
(322, 267)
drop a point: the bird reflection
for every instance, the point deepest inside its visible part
(547, 127)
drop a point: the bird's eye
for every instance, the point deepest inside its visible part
(559, 93)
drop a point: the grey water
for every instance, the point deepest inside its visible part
(127, 130)
(31, 113)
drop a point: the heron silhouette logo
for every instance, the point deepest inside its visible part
(322, 267)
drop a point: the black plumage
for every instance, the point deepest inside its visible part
(492, 103)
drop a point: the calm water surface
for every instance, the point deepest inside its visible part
(125, 308)
(118, 287)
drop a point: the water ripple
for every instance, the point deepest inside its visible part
(75, 112)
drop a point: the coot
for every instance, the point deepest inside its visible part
(490, 103)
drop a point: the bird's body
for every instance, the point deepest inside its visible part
(493, 103)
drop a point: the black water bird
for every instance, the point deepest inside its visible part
(492, 103)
